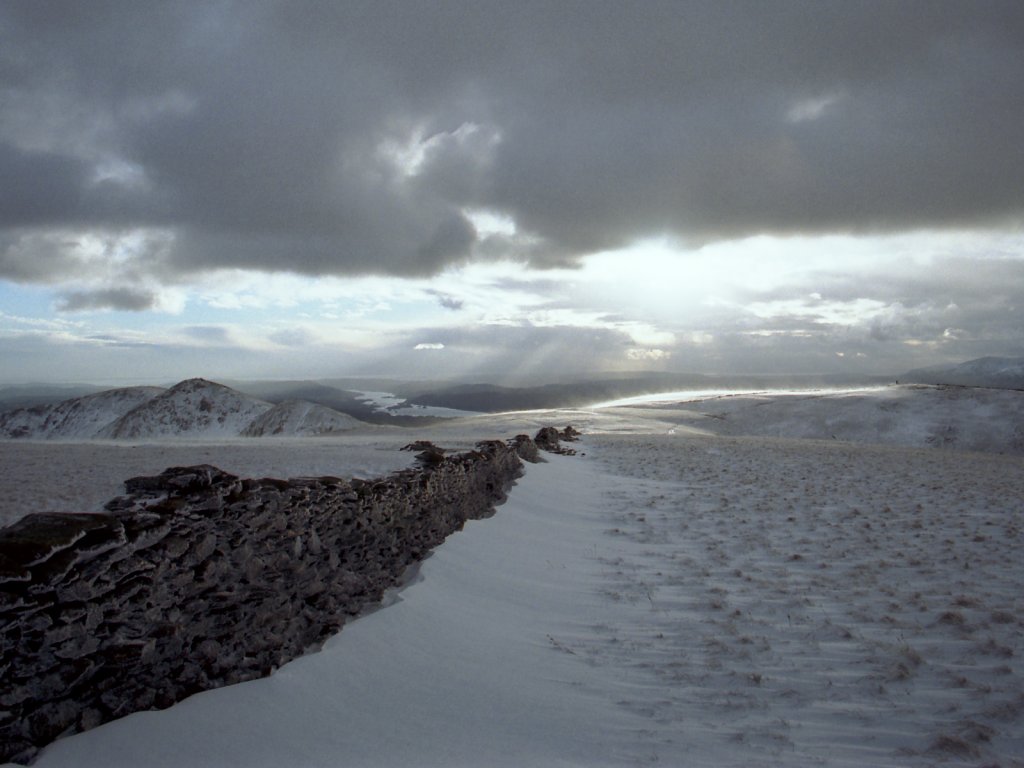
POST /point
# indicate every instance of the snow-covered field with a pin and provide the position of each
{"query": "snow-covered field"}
(674, 596)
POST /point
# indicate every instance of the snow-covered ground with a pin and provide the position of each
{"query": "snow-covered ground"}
(673, 597)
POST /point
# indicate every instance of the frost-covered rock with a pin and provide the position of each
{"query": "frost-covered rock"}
(548, 439)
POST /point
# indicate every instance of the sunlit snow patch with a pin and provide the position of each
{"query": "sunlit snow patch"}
(694, 395)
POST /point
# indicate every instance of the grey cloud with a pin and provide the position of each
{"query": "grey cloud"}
(130, 360)
(254, 131)
(972, 285)
(450, 241)
(123, 299)
(38, 258)
(40, 188)
(113, 340)
(449, 302)
(292, 338)
(215, 334)
(54, 256)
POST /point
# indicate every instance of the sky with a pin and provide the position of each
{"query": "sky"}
(491, 190)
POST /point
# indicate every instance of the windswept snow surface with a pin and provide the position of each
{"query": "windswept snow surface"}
(672, 597)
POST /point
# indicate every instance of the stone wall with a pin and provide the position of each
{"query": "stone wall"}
(198, 579)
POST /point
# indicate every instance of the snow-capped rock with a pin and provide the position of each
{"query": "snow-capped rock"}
(193, 408)
(78, 418)
(299, 417)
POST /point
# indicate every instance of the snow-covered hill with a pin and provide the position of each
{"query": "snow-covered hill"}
(77, 418)
(299, 418)
(960, 418)
(193, 408)
(999, 372)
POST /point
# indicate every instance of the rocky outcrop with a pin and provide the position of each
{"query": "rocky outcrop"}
(197, 579)
(548, 439)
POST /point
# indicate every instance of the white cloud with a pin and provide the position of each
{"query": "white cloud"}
(489, 222)
(648, 354)
(804, 110)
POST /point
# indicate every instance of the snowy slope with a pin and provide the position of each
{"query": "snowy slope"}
(77, 418)
(299, 417)
(1000, 372)
(966, 419)
(192, 408)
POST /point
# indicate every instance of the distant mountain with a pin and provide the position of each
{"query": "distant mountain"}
(276, 392)
(29, 395)
(994, 372)
(76, 418)
(195, 407)
(299, 417)
(347, 401)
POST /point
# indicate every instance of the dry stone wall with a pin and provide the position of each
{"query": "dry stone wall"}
(197, 579)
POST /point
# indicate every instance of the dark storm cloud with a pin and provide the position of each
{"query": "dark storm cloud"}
(352, 138)
(37, 258)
